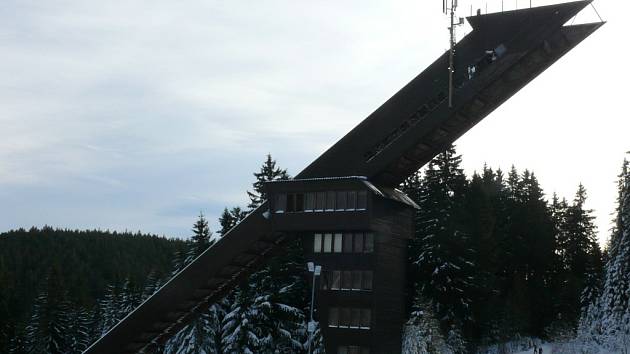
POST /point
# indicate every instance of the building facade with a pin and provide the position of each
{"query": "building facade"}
(358, 233)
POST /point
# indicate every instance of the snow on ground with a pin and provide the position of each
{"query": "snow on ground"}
(546, 350)
(570, 348)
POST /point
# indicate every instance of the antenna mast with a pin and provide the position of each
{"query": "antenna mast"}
(451, 57)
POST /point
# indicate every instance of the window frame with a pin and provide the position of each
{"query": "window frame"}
(351, 202)
(331, 200)
(367, 278)
(368, 247)
(333, 314)
(280, 203)
(362, 200)
(341, 196)
(327, 245)
(337, 241)
(358, 242)
(309, 202)
(366, 317)
(320, 201)
(317, 236)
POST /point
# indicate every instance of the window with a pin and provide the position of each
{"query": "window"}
(354, 280)
(341, 201)
(344, 317)
(327, 243)
(317, 243)
(367, 280)
(352, 201)
(368, 246)
(338, 241)
(352, 349)
(347, 243)
(362, 200)
(355, 318)
(281, 203)
(366, 318)
(358, 243)
(330, 201)
(335, 280)
(324, 281)
(346, 281)
(310, 202)
(357, 280)
(321, 201)
(343, 242)
(299, 202)
(333, 317)
(290, 203)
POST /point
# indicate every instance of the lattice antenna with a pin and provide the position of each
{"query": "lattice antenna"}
(452, 41)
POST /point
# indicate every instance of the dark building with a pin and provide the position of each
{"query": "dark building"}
(503, 53)
(358, 233)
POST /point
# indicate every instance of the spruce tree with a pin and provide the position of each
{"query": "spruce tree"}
(444, 260)
(267, 310)
(229, 219)
(607, 320)
(582, 261)
(268, 172)
(200, 240)
(422, 334)
(49, 320)
(79, 333)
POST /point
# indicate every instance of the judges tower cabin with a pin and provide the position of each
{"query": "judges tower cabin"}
(358, 233)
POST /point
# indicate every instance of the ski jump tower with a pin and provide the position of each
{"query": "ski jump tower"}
(345, 204)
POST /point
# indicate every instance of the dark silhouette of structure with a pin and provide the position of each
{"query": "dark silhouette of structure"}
(360, 237)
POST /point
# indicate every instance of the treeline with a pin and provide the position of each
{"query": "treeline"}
(494, 259)
(55, 283)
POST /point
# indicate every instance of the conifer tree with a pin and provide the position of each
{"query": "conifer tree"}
(79, 332)
(49, 321)
(607, 320)
(200, 240)
(268, 172)
(266, 313)
(444, 262)
(229, 219)
(422, 333)
(582, 261)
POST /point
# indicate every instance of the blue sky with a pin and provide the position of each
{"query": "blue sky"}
(140, 114)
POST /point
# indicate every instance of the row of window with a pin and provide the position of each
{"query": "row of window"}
(321, 201)
(358, 242)
(354, 280)
(352, 349)
(344, 317)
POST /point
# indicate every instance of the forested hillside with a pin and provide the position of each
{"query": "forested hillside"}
(51, 279)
